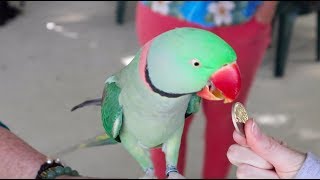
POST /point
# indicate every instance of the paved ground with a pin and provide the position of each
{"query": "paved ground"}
(47, 68)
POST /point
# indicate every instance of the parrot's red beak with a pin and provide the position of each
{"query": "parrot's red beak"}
(224, 84)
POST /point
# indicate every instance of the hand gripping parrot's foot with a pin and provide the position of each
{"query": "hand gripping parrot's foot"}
(172, 173)
(149, 174)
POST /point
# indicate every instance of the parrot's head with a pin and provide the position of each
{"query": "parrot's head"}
(189, 60)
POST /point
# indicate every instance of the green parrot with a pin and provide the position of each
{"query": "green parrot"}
(145, 104)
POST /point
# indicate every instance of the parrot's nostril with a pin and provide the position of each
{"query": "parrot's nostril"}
(210, 85)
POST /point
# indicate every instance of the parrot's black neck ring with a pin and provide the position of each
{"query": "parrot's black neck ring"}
(158, 91)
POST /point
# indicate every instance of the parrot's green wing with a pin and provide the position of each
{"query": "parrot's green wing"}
(193, 106)
(111, 111)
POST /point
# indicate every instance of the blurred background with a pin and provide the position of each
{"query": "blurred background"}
(54, 55)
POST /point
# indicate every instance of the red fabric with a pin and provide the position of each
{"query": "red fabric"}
(250, 41)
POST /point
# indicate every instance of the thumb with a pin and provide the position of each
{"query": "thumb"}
(286, 161)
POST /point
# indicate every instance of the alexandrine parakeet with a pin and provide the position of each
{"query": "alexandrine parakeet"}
(145, 104)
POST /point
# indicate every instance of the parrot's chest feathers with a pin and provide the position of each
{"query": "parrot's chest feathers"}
(153, 119)
(154, 105)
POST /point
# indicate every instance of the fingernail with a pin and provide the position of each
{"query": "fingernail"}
(255, 130)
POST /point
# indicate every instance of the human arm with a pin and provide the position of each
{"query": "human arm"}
(19, 160)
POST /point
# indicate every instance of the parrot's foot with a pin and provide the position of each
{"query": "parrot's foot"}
(172, 173)
(175, 175)
(149, 174)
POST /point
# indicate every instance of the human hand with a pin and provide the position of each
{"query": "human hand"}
(266, 11)
(260, 156)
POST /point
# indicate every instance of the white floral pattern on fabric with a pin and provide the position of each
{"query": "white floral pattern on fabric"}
(221, 11)
(198, 12)
(161, 7)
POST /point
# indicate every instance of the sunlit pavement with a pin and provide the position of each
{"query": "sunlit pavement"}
(58, 54)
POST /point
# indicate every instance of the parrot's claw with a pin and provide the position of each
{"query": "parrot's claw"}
(149, 174)
(172, 173)
(175, 175)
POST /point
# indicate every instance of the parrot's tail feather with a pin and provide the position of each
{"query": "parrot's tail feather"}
(96, 102)
(99, 140)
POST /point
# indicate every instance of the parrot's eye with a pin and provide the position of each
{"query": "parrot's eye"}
(195, 62)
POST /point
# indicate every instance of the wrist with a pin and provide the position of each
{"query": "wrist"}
(52, 169)
(32, 168)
